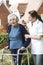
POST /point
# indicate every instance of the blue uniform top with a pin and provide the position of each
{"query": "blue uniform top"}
(15, 38)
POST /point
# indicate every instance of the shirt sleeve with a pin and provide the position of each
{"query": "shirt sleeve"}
(40, 29)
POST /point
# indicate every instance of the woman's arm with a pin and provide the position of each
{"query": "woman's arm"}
(37, 37)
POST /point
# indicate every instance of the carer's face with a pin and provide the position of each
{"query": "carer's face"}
(31, 18)
(13, 22)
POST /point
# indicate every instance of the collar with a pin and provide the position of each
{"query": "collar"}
(36, 22)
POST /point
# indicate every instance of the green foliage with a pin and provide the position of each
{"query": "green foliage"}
(3, 38)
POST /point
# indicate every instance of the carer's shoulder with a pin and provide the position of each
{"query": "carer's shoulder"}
(40, 23)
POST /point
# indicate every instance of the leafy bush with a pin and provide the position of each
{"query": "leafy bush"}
(3, 39)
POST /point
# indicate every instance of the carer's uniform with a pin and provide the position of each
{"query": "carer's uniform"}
(36, 45)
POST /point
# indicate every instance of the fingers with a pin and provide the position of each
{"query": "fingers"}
(22, 48)
(26, 36)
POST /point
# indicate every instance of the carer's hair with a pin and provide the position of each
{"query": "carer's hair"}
(33, 13)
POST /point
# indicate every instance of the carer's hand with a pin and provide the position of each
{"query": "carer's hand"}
(27, 36)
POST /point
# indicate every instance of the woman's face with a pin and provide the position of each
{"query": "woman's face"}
(32, 19)
(13, 22)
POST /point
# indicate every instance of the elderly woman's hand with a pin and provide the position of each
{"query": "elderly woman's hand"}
(22, 48)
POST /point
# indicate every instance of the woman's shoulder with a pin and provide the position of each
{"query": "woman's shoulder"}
(40, 23)
(21, 25)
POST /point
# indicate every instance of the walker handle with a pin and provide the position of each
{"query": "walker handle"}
(20, 49)
(4, 49)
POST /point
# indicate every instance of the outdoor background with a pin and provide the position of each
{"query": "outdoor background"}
(21, 8)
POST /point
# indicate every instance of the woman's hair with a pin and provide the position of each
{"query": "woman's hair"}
(33, 13)
(12, 15)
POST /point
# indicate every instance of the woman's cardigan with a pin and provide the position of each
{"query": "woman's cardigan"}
(23, 31)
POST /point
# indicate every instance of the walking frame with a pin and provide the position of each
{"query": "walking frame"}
(25, 53)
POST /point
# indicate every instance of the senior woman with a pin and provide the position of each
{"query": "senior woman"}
(16, 34)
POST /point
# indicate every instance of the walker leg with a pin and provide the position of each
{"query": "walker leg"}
(17, 58)
(2, 59)
(26, 54)
(28, 58)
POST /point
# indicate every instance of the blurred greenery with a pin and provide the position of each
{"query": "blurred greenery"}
(3, 39)
(7, 60)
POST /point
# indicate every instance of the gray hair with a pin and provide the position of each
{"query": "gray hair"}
(12, 15)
